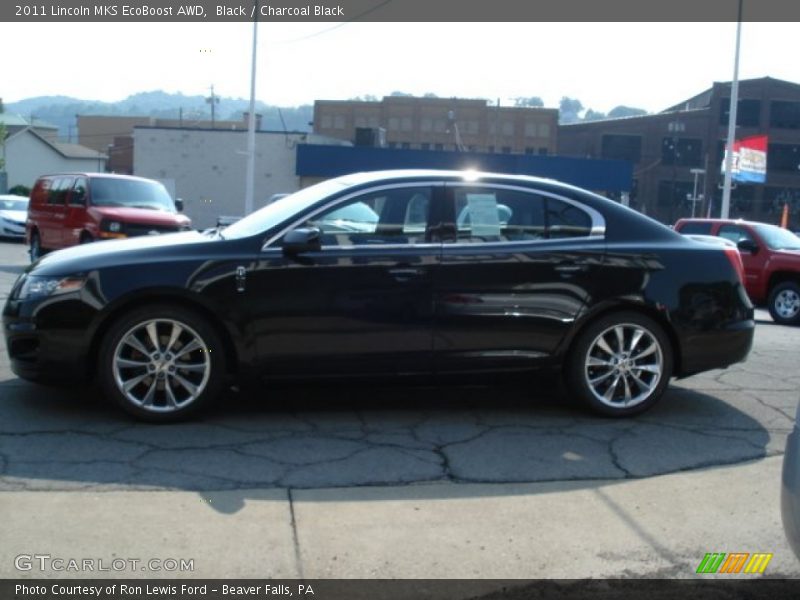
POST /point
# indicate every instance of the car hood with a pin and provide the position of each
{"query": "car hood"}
(150, 216)
(83, 258)
(20, 216)
(792, 256)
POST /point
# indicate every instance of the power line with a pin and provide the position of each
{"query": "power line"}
(338, 25)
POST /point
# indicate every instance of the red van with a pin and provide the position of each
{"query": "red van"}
(75, 208)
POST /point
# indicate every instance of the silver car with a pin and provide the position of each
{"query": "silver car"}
(13, 214)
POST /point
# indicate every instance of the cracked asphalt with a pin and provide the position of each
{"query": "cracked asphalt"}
(62, 443)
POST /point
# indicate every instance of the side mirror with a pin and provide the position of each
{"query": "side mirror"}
(303, 239)
(179, 204)
(748, 246)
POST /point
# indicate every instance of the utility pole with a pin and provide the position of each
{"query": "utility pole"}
(213, 101)
(726, 186)
(251, 125)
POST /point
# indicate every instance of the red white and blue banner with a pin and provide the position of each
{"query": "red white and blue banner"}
(749, 160)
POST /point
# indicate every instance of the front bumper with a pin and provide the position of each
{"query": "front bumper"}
(45, 342)
(11, 230)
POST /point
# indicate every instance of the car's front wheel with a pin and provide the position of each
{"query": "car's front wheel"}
(161, 363)
(620, 364)
(36, 251)
(784, 303)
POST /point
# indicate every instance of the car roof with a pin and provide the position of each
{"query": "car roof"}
(13, 197)
(95, 175)
(736, 221)
(468, 175)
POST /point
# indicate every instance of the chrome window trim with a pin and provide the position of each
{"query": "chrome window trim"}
(597, 231)
(598, 228)
(345, 198)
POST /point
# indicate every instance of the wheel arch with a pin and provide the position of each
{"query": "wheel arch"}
(779, 277)
(651, 312)
(108, 319)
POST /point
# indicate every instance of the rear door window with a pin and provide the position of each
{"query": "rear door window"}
(696, 228)
(485, 214)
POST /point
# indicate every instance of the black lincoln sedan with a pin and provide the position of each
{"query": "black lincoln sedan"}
(386, 274)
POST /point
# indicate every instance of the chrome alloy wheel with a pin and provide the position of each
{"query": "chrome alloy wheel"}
(624, 365)
(787, 304)
(161, 365)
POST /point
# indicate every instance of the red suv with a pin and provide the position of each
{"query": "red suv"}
(76, 208)
(771, 258)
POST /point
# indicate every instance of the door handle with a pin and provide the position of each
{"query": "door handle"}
(570, 268)
(241, 277)
(405, 273)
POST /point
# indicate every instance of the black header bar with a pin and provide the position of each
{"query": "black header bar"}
(277, 11)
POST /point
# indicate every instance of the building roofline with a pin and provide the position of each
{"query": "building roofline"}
(219, 130)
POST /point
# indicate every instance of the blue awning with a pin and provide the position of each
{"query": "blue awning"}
(592, 174)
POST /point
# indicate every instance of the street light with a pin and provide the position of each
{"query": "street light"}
(674, 127)
(696, 173)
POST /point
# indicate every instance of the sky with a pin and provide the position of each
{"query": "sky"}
(644, 65)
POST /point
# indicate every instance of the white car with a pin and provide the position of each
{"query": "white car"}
(13, 214)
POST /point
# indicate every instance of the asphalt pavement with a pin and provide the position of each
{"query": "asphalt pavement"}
(499, 479)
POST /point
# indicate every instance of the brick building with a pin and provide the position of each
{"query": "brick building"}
(414, 123)
(666, 147)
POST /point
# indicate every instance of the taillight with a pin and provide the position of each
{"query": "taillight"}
(736, 261)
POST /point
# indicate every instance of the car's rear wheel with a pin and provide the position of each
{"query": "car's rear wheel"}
(161, 363)
(784, 303)
(620, 364)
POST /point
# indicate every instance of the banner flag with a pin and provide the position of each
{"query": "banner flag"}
(749, 160)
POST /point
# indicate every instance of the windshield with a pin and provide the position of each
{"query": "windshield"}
(21, 204)
(130, 193)
(777, 238)
(282, 209)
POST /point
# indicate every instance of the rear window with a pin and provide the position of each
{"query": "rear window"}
(702, 228)
(131, 193)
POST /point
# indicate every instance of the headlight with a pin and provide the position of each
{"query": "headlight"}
(39, 287)
(112, 226)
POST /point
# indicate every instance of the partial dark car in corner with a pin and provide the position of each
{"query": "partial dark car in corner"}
(67, 209)
(790, 488)
(771, 259)
(388, 274)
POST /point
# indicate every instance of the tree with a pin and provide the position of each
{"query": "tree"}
(569, 110)
(532, 101)
(625, 111)
(593, 115)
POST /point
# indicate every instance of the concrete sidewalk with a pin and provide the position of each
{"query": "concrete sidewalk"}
(656, 527)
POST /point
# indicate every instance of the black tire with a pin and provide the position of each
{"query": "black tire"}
(86, 238)
(622, 382)
(160, 389)
(784, 303)
(35, 249)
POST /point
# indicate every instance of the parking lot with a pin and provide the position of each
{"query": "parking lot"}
(497, 479)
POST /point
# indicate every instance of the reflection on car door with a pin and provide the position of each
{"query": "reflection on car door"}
(361, 304)
(514, 275)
